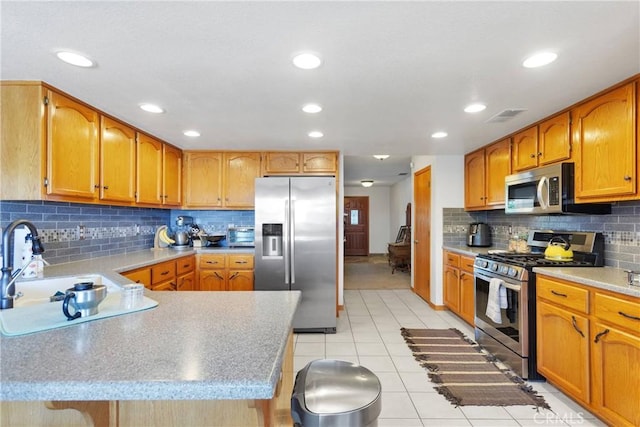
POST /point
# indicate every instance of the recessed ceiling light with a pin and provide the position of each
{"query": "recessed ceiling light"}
(439, 134)
(474, 108)
(191, 133)
(151, 108)
(315, 134)
(381, 156)
(307, 61)
(366, 183)
(312, 108)
(75, 59)
(539, 59)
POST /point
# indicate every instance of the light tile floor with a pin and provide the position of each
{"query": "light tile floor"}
(368, 333)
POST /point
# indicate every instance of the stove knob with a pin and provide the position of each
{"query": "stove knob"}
(494, 267)
(484, 264)
(513, 272)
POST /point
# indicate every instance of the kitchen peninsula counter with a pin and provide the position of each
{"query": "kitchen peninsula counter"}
(198, 358)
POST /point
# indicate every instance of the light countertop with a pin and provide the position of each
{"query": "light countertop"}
(193, 345)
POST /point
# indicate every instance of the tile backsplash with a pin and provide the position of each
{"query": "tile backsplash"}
(621, 229)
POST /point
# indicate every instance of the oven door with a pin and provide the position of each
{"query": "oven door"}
(512, 332)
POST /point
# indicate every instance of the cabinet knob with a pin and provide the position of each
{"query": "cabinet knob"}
(540, 154)
(96, 186)
(106, 187)
(532, 155)
(627, 178)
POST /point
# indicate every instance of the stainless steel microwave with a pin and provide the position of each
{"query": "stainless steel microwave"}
(547, 190)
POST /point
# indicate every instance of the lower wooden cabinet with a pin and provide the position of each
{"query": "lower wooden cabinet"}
(173, 275)
(589, 347)
(225, 272)
(458, 285)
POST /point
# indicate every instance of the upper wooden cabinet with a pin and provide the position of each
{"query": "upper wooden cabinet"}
(240, 172)
(313, 163)
(72, 148)
(220, 179)
(605, 144)
(485, 171)
(540, 145)
(117, 161)
(159, 173)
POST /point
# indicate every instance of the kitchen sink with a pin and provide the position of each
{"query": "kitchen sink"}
(39, 291)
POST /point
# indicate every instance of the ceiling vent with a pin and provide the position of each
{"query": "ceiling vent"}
(506, 115)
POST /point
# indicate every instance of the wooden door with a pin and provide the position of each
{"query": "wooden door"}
(187, 282)
(203, 179)
(241, 171)
(498, 163)
(282, 162)
(554, 144)
(72, 148)
(319, 162)
(422, 234)
(149, 171)
(605, 146)
(171, 176)
(467, 297)
(525, 149)
(356, 226)
(117, 161)
(240, 280)
(213, 280)
(474, 180)
(451, 288)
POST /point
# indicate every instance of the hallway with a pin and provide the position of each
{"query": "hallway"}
(368, 333)
(373, 272)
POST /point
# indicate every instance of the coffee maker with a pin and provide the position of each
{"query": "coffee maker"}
(479, 234)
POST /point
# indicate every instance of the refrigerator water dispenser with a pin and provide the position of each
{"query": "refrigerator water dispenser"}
(271, 240)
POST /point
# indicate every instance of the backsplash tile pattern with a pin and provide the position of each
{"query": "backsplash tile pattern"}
(108, 230)
(621, 229)
(216, 221)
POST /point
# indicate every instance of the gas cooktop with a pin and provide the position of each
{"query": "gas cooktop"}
(538, 260)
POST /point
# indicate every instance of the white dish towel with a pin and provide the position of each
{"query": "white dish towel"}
(496, 300)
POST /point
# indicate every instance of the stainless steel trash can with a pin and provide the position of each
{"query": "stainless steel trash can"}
(335, 393)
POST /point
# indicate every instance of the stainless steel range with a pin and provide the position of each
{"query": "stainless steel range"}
(513, 339)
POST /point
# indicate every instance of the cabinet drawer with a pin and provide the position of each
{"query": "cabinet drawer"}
(142, 276)
(212, 261)
(618, 311)
(466, 263)
(241, 262)
(185, 265)
(452, 259)
(563, 294)
(163, 272)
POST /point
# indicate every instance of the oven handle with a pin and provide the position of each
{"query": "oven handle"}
(507, 284)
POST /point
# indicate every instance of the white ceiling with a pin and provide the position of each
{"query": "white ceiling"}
(393, 72)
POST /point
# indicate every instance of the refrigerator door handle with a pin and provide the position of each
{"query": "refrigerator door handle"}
(292, 241)
(285, 243)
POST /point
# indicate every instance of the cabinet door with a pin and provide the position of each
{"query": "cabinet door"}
(117, 161)
(451, 288)
(72, 148)
(563, 349)
(616, 375)
(525, 149)
(285, 162)
(171, 176)
(319, 163)
(241, 280)
(605, 146)
(241, 170)
(142, 276)
(203, 179)
(554, 144)
(498, 167)
(169, 285)
(149, 171)
(213, 280)
(467, 297)
(186, 282)
(474, 184)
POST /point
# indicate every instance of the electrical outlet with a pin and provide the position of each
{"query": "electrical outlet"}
(81, 231)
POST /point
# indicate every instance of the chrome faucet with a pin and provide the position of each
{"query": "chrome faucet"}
(7, 286)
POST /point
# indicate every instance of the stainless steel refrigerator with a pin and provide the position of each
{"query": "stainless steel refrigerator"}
(296, 245)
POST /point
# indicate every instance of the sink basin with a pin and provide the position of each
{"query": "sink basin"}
(38, 291)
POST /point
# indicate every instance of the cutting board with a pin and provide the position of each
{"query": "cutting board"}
(42, 317)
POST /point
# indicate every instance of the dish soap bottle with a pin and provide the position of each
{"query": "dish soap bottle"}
(30, 269)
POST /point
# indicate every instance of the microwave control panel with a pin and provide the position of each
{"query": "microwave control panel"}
(554, 191)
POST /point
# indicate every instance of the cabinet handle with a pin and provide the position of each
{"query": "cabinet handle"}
(233, 276)
(164, 273)
(96, 186)
(627, 178)
(218, 276)
(532, 155)
(575, 326)
(211, 262)
(600, 335)
(628, 316)
(240, 262)
(174, 286)
(106, 187)
(540, 154)
(558, 294)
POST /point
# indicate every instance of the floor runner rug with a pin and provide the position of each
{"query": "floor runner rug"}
(464, 373)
